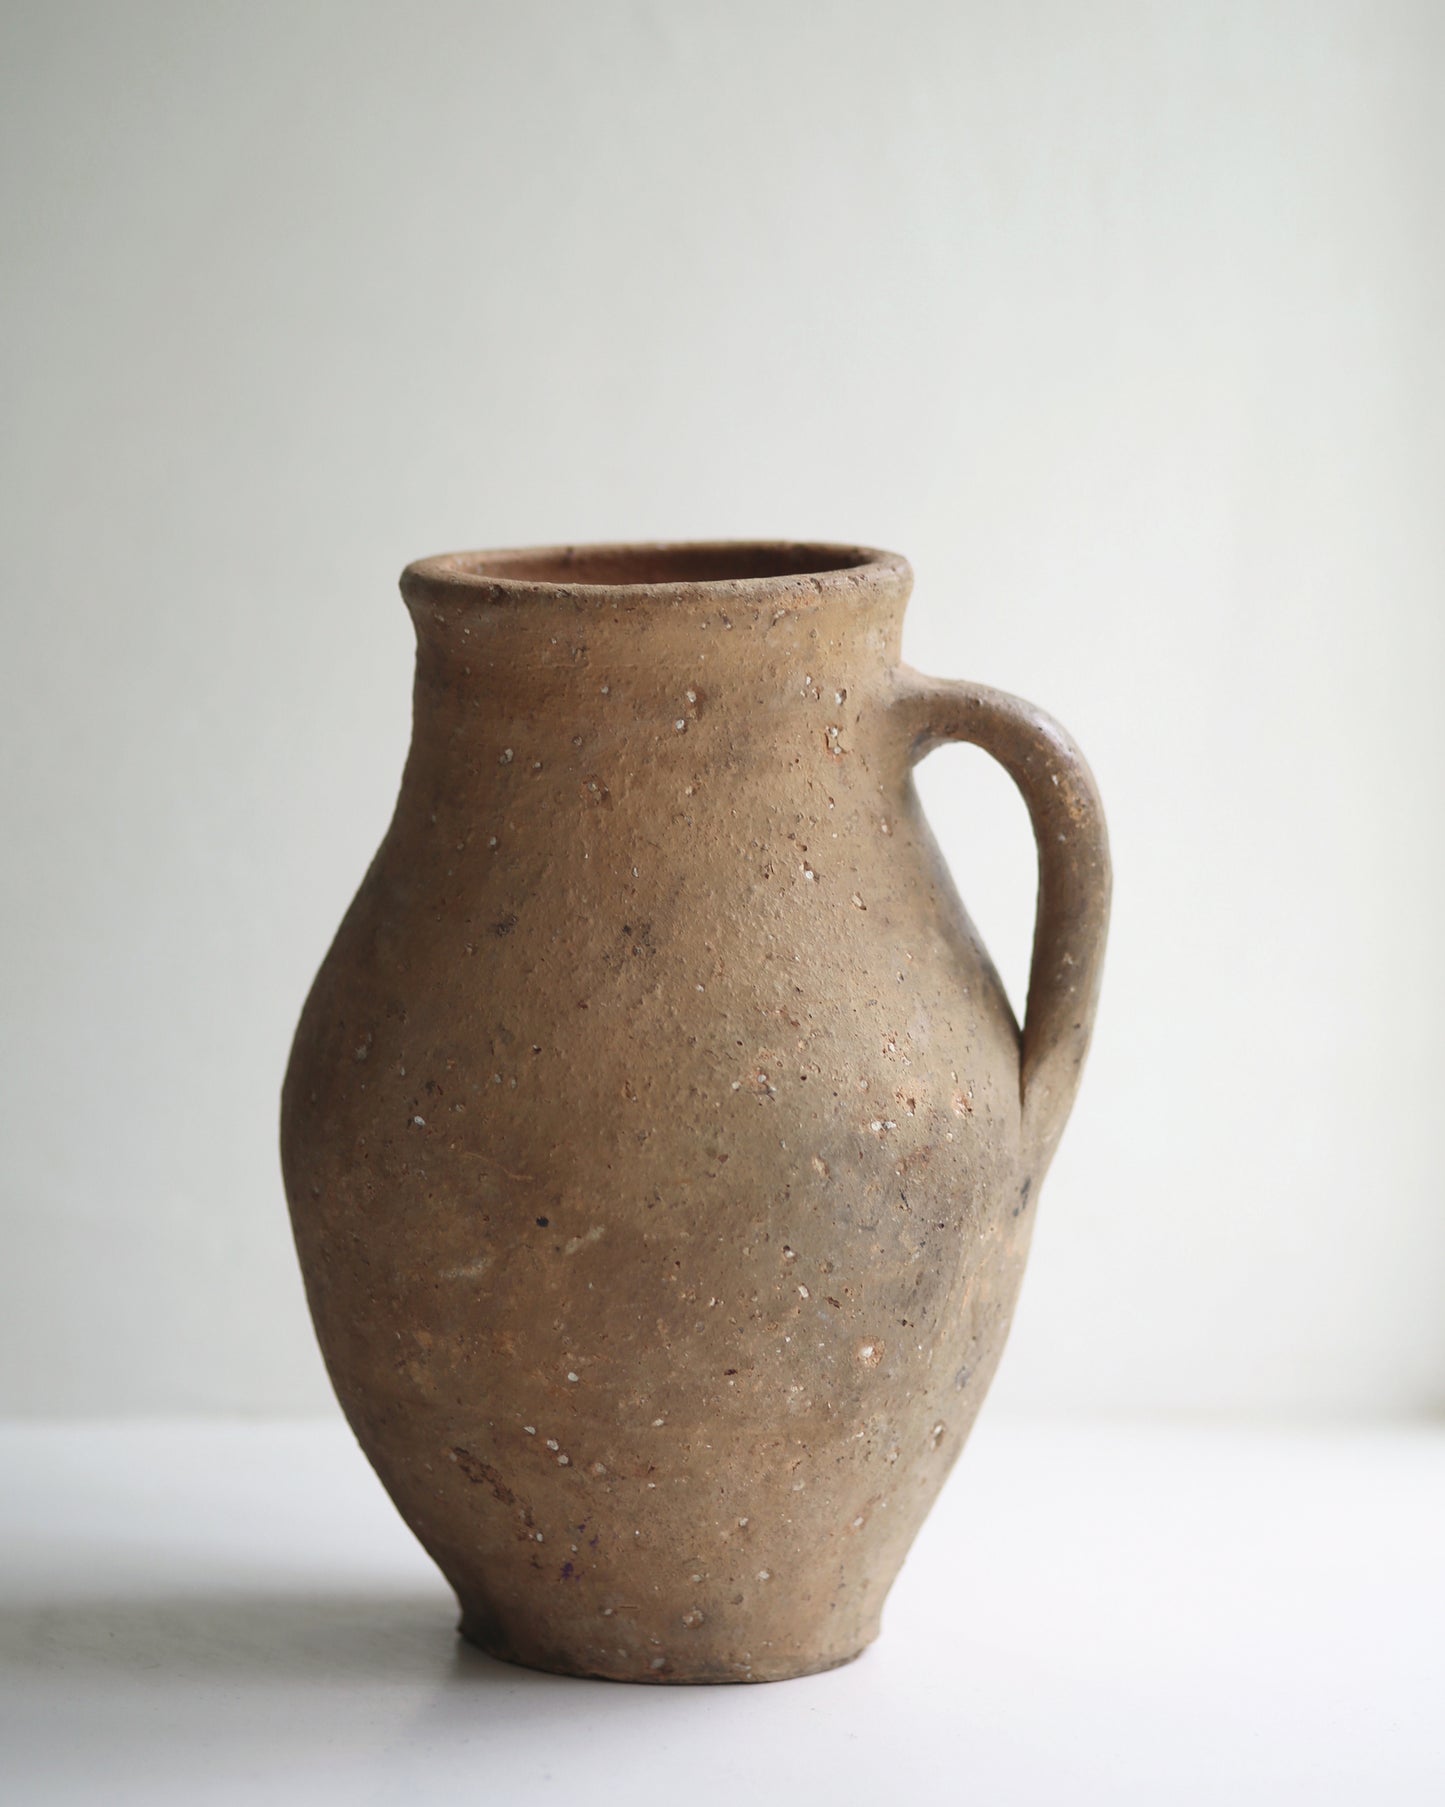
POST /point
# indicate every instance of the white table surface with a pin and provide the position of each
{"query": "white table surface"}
(215, 1612)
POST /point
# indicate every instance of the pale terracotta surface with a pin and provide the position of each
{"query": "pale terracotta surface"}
(659, 1155)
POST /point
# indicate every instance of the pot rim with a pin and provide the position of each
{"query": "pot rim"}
(748, 569)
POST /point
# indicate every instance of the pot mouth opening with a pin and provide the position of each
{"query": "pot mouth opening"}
(675, 566)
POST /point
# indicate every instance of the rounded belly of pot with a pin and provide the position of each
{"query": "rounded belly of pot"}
(662, 1303)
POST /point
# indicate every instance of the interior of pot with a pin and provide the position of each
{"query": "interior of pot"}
(684, 563)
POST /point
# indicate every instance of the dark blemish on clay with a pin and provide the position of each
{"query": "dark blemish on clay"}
(482, 1474)
(543, 1222)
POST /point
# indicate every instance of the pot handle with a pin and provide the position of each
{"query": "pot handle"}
(1072, 919)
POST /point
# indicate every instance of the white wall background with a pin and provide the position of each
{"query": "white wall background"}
(1122, 319)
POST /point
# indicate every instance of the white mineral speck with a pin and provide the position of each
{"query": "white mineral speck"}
(564, 1461)
(571, 1376)
(530, 1429)
(765, 1574)
(552, 1443)
(506, 758)
(803, 1293)
(680, 725)
(657, 1422)
(420, 1122)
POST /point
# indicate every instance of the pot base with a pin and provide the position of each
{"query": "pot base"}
(484, 1635)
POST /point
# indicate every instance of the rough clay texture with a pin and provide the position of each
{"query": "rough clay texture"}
(662, 1150)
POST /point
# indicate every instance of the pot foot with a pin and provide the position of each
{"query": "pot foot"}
(717, 1669)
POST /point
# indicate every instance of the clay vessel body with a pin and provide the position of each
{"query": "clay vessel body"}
(661, 1147)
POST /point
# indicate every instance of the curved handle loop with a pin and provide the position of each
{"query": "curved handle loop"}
(1072, 919)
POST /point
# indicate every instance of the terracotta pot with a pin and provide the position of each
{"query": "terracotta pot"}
(662, 1150)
